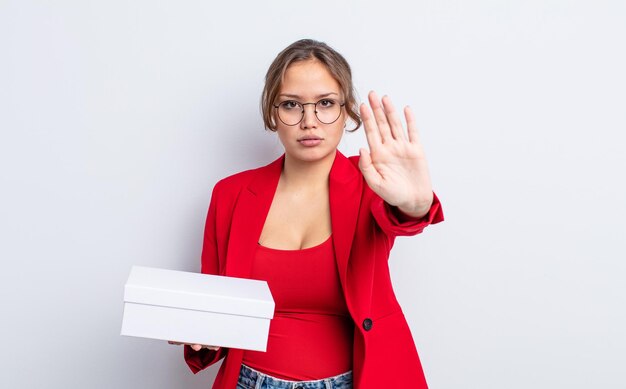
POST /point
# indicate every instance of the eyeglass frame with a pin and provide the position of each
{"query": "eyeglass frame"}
(341, 105)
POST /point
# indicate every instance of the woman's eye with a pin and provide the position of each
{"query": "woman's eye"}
(326, 103)
(290, 104)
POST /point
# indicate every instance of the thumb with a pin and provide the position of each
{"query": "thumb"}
(367, 168)
(366, 160)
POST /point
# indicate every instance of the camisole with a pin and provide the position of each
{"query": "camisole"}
(311, 334)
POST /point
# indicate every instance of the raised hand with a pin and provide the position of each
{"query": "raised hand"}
(395, 166)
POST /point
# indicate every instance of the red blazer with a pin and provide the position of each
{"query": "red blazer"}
(363, 231)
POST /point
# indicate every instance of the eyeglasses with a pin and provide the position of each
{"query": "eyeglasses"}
(291, 112)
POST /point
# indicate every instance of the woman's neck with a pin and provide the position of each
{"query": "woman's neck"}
(301, 174)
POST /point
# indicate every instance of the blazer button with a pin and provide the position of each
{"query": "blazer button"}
(367, 324)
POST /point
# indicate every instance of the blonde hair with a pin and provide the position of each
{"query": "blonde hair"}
(302, 50)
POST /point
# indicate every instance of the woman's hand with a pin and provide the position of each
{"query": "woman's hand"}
(395, 166)
(195, 347)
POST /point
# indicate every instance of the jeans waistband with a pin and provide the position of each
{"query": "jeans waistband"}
(250, 378)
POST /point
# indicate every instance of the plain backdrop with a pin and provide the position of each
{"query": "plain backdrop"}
(117, 118)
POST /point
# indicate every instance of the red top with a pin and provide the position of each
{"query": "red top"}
(310, 336)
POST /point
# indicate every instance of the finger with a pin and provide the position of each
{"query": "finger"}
(381, 118)
(370, 173)
(214, 348)
(371, 129)
(393, 119)
(196, 347)
(414, 136)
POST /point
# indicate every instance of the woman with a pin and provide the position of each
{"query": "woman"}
(318, 227)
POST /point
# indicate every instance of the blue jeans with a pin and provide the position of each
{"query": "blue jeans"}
(252, 379)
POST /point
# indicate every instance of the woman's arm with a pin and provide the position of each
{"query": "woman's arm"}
(199, 357)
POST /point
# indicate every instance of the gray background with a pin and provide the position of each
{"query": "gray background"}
(117, 117)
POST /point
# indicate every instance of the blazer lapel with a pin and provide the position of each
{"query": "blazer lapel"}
(345, 193)
(249, 217)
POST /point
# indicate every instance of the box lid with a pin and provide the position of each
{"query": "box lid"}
(201, 292)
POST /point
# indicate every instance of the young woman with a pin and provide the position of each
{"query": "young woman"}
(319, 227)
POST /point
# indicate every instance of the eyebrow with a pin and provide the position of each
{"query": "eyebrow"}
(292, 96)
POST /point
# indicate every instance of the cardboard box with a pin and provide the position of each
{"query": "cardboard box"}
(197, 308)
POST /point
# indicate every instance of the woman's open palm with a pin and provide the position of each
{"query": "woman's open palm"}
(395, 166)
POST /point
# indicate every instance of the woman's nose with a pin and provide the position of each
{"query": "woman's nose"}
(309, 119)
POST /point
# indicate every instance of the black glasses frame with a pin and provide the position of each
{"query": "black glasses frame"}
(341, 105)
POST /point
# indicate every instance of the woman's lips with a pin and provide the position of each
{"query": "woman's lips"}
(310, 141)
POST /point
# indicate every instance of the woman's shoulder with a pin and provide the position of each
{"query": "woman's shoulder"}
(237, 181)
(233, 183)
(355, 160)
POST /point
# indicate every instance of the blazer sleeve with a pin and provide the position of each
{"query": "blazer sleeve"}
(396, 223)
(199, 360)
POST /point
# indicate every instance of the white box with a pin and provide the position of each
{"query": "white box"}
(197, 308)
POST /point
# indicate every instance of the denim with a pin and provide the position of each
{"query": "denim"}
(252, 379)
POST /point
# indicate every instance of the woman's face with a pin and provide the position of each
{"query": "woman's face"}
(310, 140)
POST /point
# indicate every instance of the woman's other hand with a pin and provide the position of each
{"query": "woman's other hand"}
(395, 166)
(195, 347)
